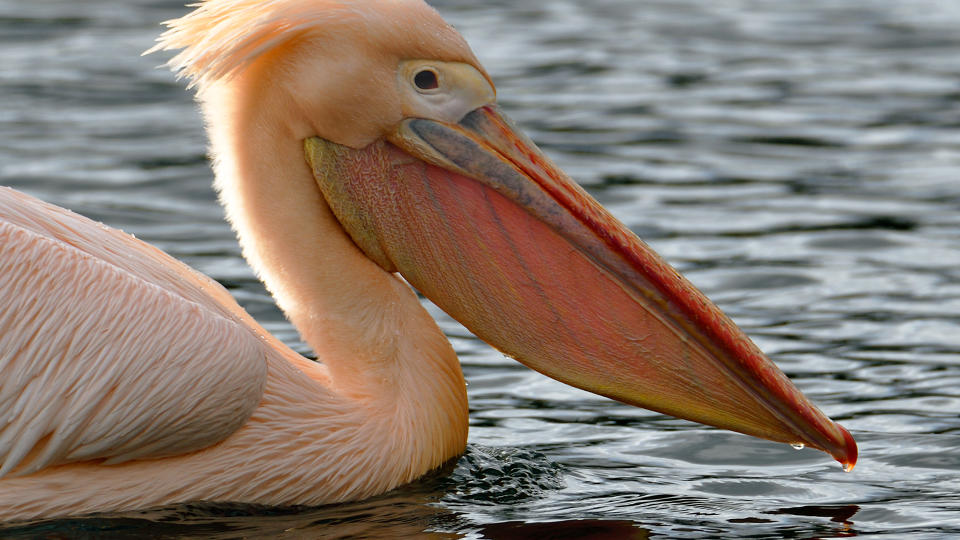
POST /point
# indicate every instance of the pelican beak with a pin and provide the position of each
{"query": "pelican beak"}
(475, 217)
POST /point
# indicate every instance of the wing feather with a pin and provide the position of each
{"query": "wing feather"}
(109, 349)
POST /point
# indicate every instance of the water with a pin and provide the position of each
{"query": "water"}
(800, 162)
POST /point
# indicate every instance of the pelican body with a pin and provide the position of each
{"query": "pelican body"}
(358, 150)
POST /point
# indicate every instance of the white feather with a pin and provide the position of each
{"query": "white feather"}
(97, 363)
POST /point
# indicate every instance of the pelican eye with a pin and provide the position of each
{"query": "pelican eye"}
(426, 79)
(441, 91)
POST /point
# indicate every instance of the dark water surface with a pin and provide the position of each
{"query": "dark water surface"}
(799, 161)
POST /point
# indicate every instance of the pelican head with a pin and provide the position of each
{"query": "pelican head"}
(378, 115)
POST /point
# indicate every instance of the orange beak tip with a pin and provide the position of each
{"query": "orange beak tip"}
(849, 458)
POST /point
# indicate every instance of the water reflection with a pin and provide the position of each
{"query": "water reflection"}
(837, 514)
(586, 529)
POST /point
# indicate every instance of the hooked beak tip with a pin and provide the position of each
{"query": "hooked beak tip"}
(847, 456)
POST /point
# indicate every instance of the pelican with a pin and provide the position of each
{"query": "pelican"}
(358, 151)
